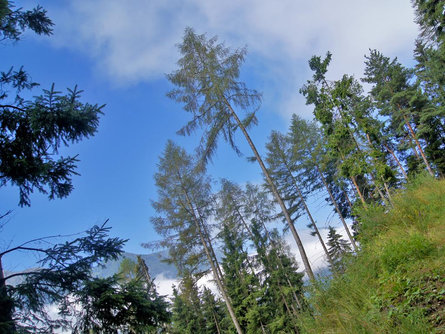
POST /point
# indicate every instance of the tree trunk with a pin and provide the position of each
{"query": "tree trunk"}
(348, 232)
(413, 135)
(397, 161)
(314, 225)
(214, 266)
(388, 193)
(359, 192)
(277, 196)
(216, 322)
(5, 305)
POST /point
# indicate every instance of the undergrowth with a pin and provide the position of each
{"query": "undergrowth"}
(396, 283)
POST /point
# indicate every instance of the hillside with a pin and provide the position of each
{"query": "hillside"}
(396, 284)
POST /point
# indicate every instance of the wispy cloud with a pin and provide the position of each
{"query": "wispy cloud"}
(133, 41)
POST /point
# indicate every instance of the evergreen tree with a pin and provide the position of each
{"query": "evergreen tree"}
(32, 131)
(307, 148)
(63, 271)
(110, 306)
(286, 168)
(187, 313)
(399, 100)
(242, 284)
(185, 204)
(275, 267)
(207, 84)
(338, 248)
(328, 101)
(281, 281)
(13, 22)
(213, 309)
(430, 56)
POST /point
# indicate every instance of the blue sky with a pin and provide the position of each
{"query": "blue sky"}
(119, 51)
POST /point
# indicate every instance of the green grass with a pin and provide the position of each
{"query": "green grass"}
(396, 284)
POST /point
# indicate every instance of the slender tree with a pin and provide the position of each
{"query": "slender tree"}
(207, 85)
(286, 169)
(338, 248)
(397, 98)
(307, 147)
(187, 312)
(185, 203)
(430, 56)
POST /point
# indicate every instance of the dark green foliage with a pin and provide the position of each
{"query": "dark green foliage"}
(31, 134)
(430, 17)
(413, 120)
(108, 306)
(217, 320)
(266, 287)
(13, 22)
(337, 248)
(334, 103)
(283, 284)
(32, 131)
(241, 282)
(430, 56)
(63, 270)
(187, 313)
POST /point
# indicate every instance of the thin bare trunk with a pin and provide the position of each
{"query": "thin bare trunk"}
(216, 322)
(397, 161)
(348, 232)
(358, 191)
(314, 225)
(378, 189)
(413, 135)
(276, 195)
(262, 327)
(347, 198)
(213, 264)
(388, 193)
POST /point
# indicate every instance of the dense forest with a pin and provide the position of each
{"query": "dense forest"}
(375, 149)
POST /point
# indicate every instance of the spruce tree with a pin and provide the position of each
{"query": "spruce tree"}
(33, 130)
(338, 248)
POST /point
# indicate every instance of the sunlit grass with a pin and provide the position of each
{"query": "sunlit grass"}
(396, 284)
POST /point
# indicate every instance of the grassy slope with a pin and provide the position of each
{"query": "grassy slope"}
(396, 284)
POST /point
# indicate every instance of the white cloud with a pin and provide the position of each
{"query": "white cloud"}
(313, 248)
(164, 285)
(134, 40)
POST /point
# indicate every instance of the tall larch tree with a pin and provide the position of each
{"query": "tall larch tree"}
(207, 84)
(185, 205)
